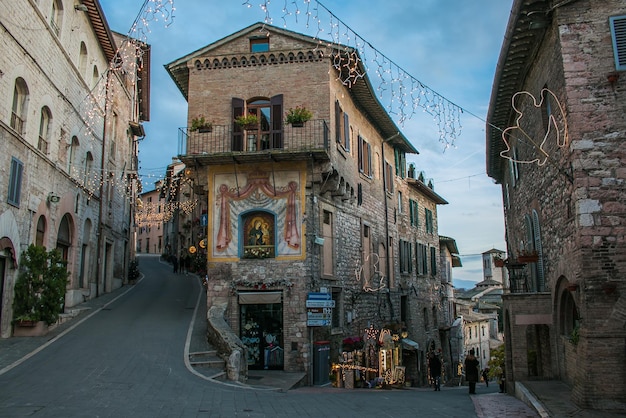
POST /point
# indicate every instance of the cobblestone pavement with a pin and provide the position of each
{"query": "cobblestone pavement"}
(498, 405)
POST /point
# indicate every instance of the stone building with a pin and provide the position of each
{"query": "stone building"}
(327, 208)
(556, 141)
(150, 215)
(69, 126)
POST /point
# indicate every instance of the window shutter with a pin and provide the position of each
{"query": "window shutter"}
(360, 194)
(238, 109)
(369, 160)
(618, 34)
(337, 121)
(360, 152)
(346, 131)
(277, 121)
(539, 249)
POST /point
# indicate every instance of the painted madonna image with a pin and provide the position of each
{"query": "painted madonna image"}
(259, 235)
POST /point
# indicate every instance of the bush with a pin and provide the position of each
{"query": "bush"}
(40, 286)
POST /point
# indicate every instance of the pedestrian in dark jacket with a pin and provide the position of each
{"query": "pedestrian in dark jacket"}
(486, 376)
(471, 371)
(175, 264)
(434, 365)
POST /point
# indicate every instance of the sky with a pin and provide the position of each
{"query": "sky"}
(449, 46)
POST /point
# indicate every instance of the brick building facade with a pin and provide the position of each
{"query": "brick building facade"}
(68, 144)
(562, 170)
(323, 207)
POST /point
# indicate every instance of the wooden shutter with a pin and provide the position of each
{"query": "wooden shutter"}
(337, 121)
(238, 109)
(346, 131)
(276, 129)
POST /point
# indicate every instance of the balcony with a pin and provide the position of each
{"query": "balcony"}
(224, 145)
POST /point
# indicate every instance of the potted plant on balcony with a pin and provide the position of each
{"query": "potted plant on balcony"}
(200, 124)
(249, 121)
(297, 116)
(528, 257)
(39, 291)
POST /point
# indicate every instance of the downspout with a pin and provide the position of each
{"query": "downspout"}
(388, 260)
(100, 211)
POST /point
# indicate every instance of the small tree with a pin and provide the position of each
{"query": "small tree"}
(496, 363)
(40, 286)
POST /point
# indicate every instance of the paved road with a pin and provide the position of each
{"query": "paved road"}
(127, 360)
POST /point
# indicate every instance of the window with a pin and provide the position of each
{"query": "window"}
(15, 182)
(400, 161)
(405, 251)
(88, 167)
(367, 257)
(113, 137)
(421, 253)
(95, 77)
(260, 44)
(73, 154)
(428, 214)
(44, 130)
(328, 247)
(56, 15)
(342, 127)
(20, 105)
(82, 59)
(41, 231)
(618, 36)
(365, 157)
(413, 213)
(268, 133)
(433, 261)
(513, 166)
(388, 177)
(400, 210)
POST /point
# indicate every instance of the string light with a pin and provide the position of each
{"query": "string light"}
(561, 140)
(403, 93)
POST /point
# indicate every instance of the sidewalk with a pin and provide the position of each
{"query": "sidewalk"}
(15, 350)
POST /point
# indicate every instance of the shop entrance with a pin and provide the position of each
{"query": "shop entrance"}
(261, 316)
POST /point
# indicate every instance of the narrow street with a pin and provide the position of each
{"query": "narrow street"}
(127, 360)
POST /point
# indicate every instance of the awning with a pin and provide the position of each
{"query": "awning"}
(259, 298)
(410, 344)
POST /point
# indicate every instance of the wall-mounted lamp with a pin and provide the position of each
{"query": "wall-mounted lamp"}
(81, 8)
(52, 198)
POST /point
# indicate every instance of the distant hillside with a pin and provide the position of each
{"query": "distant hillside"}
(463, 284)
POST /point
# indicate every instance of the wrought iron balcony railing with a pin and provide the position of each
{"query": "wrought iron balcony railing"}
(224, 140)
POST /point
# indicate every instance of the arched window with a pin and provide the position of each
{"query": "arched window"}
(82, 59)
(20, 105)
(44, 130)
(87, 174)
(41, 231)
(64, 237)
(95, 77)
(56, 17)
(74, 145)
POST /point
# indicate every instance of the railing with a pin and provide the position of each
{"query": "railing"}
(222, 139)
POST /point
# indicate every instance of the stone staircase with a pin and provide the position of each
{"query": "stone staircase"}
(208, 361)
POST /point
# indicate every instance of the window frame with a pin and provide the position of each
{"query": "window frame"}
(15, 182)
(617, 25)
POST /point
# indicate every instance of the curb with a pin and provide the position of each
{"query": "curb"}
(522, 393)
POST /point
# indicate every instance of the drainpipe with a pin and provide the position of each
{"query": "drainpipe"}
(388, 259)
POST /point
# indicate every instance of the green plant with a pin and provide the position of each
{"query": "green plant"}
(133, 271)
(247, 121)
(575, 335)
(41, 285)
(200, 123)
(496, 363)
(299, 114)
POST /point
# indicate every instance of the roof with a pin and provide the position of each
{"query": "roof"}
(520, 45)
(101, 28)
(450, 244)
(361, 91)
(427, 191)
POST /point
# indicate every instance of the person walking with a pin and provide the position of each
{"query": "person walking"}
(175, 264)
(434, 365)
(486, 376)
(471, 371)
